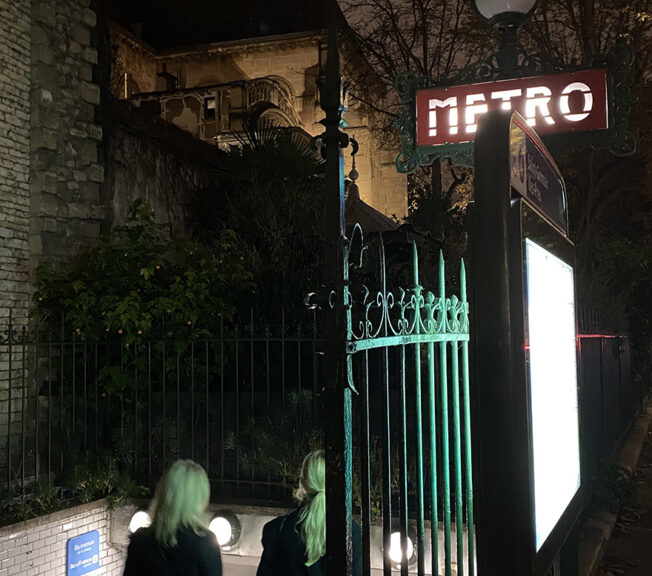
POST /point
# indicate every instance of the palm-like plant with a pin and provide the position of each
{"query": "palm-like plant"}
(269, 189)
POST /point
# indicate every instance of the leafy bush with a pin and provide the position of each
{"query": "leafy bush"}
(140, 281)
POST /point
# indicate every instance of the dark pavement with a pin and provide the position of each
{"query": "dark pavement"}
(629, 550)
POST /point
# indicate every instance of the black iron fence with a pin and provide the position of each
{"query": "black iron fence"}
(609, 397)
(241, 402)
(244, 403)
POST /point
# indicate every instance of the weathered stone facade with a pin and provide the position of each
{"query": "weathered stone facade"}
(65, 173)
(15, 24)
(152, 160)
(50, 174)
(211, 90)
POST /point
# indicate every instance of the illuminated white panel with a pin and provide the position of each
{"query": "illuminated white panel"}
(553, 386)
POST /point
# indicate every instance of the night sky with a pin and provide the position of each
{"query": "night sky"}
(173, 23)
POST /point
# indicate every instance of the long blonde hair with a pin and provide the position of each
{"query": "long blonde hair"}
(181, 499)
(311, 494)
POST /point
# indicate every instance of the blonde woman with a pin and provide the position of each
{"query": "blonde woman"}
(178, 543)
(294, 545)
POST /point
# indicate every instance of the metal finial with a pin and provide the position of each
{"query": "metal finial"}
(353, 174)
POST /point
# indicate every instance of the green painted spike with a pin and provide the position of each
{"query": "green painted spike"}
(463, 281)
(415, 263)
(442, 276)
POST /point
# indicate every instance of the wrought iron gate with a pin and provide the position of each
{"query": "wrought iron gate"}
(402, 353)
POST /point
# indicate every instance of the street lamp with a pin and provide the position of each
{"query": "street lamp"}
(506, 16)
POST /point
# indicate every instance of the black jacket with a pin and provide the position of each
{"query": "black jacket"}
(194, 555)
(284, 553)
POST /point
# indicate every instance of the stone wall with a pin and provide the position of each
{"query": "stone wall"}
(39, 546)
(50, 175)
(65, 173)
(15, 22)
(149, 159)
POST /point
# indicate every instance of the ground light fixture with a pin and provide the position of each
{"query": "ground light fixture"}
(395, 549)
(140, 519)
(226, 527)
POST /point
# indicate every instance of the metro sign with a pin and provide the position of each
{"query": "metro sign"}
(566, 102)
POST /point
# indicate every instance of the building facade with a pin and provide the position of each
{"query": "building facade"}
(216, 89)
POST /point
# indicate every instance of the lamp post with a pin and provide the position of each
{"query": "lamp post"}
(506, 16)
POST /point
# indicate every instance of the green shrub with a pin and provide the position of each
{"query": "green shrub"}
(141, 281)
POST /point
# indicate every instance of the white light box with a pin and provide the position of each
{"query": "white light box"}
(553, 386)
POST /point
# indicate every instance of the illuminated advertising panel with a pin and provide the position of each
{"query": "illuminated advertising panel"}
(553, 386)
(565, 102)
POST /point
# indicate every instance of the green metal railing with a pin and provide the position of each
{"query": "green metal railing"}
(380, 344)
(427, 336)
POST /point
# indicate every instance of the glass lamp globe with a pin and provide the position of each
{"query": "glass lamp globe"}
(490, 9)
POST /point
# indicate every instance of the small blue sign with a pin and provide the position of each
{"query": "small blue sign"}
(83, 554)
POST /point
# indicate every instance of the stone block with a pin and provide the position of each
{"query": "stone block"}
(50, 205)
(77, 133)
(87, 150)
(39, 37)
(74, 48)
(47, 77)
(45, 14)
(90, 192)
(90, 55)
(55, 242)
(96, 173)
(86, 112)
(89, 18)
(86, 211)
(86, 72)
(45, 116)
(45, 96)
(43, 55)
(44, 181)
(80, 33)
(43, 159)
(44, 138)
(90, 93)
(50, 226)
(95, 132)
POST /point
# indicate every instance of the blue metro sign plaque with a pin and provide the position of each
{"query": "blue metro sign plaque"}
(534, 174)
(83, 554)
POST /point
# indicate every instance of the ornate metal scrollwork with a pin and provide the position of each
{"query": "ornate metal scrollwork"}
(622, 141)
(403, 312)
(12, 335)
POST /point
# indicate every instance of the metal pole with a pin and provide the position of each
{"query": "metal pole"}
(336, 367)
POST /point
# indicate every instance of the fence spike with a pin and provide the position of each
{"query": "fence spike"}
(415, 262)
(463, 281)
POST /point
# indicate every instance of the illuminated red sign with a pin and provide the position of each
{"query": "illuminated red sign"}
(566, 102)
